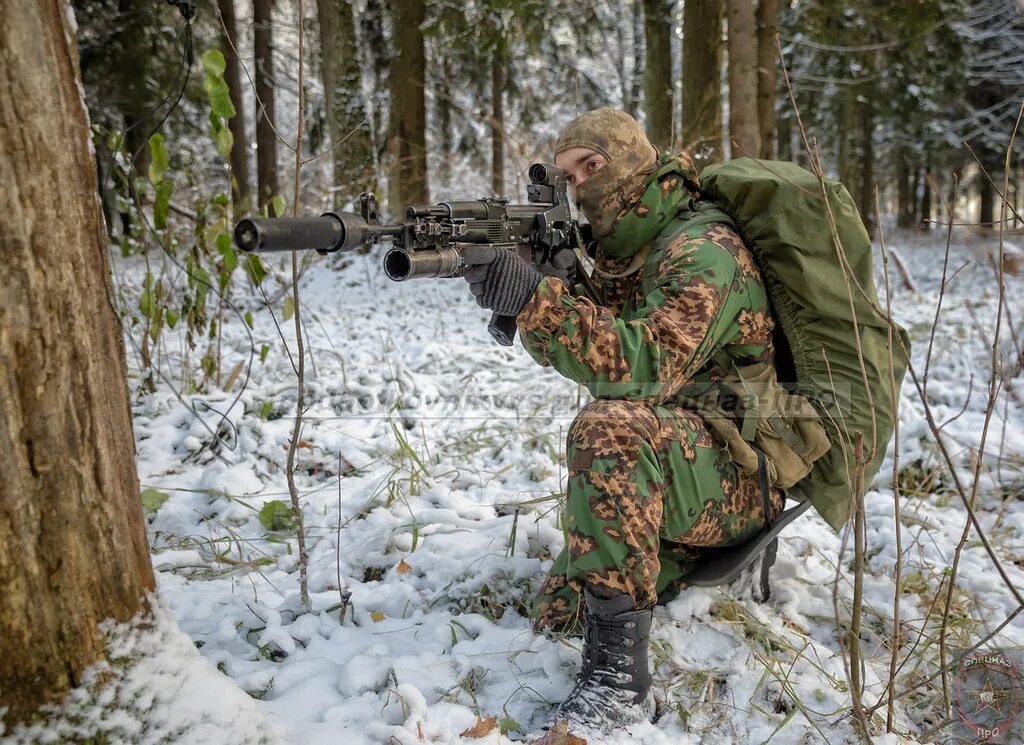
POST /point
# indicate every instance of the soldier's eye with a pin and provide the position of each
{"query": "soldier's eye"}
(594, 165)
(569, 179)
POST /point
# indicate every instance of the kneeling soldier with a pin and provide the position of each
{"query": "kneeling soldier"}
(674, 299)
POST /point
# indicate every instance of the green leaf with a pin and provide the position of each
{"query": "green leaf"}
(159, 161)
(276, 515)
(152, 499)
(278, 205)
(161, 205)
(289, 308)
(264, 350)
(248, 318)
(213, 62)
(224, 140)
(222, 242)
(268, 406)
(171, 316)
(147, 304)
(157, 326)
(230, 259)
(254, 267)
(508, 724)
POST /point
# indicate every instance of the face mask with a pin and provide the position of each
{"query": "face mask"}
(631, 158)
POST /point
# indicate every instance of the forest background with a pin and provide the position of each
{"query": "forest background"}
(203, 112)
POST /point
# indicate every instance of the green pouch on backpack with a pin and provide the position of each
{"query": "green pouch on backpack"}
(762, 415)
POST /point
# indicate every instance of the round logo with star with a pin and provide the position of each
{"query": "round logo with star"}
(988, 693)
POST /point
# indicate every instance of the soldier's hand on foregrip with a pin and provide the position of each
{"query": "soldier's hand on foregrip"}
(499, 279)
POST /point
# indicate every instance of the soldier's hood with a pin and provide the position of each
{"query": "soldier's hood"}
(630, 155)
(623, 188)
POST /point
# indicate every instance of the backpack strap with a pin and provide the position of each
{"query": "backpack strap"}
(766, 493)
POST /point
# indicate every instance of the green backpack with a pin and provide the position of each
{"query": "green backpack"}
(779, 211)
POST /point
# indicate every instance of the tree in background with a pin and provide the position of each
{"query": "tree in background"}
(407, 141)
(701, 109)
(263, 81)
(73, 549)
(658, 82)
(240, 184)
(347, 121)
(767, 27)
(992, 32)
(744, 129)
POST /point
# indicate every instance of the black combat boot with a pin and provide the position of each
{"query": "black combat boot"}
(613, 688)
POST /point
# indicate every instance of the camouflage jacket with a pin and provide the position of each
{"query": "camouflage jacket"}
(676, 288)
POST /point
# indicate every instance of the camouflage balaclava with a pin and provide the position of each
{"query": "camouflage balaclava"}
(631, 158)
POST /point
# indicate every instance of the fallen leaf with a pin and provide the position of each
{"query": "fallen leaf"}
(559, 735)
(377, 616)
(403, 567)
(482, 728)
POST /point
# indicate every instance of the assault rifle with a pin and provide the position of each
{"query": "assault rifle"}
(429, 243)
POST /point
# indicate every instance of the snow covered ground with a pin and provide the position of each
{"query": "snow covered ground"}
(429, 470)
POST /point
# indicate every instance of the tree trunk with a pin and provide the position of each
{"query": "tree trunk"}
(867, 166)
(744, 130)
(846, 162)
(785, 138)
(263, 75)
(767, 26)
(986, 203)
(497, 123)
(926, 200)
(701, 102)
(351, 145)
(378, 56)
(407, 142)
(445, 109)
(636, 76)
(658, 72)
(904, 198)
(72, 541)
(240, 186)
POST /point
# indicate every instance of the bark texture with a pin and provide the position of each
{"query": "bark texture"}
(263, 79)
(72, 540)
(701, 122)
(351, 143)
(240, 184)
(658, 72)
(767, 27)
(497, 123)
(407, 142)
(744, 129)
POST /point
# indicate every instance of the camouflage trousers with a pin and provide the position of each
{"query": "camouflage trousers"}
(649, 486)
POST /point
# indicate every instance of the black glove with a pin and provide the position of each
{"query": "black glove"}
(561, 266)
(499, 279)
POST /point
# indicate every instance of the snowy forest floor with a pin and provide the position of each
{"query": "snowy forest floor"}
(430, 468)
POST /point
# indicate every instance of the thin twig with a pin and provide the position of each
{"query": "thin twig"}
(300, 353)
(896, 516)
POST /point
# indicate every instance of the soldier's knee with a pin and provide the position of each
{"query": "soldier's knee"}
(610, 427)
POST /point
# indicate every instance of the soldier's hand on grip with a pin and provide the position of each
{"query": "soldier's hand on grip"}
(499, 279)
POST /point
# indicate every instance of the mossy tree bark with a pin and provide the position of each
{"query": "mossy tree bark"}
(744, 129)
(263, 80)
(658, 72)
(240, 185)
(701, 122)
(72, 539)
(351, 144)
(407, 139)
(767, 27)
